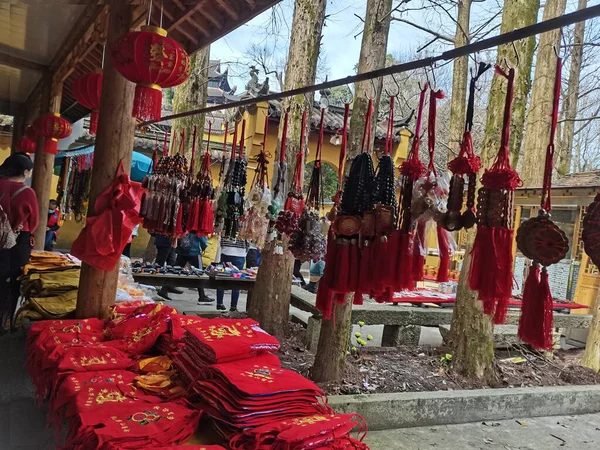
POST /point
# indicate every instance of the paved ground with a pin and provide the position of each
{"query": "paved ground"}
(569, 432)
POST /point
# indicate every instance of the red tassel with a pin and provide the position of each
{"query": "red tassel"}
(207, 219)
(501, 310)
(535, 324)
(340, 282)
(179, 222)
(444, 253)
(51, 146)
(392, 249)
(94, 122)
(353, 267)
(418, 268)
(365, 276)
(147, 103)
(404, 278)
(190, 226)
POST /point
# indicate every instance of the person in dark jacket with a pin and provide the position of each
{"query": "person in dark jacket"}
(53, 225)
(165, 254)
(189, 251)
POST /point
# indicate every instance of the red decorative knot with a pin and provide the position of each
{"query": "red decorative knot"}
(540, 240)
(412, 168)
(52, 127)
(153, 61)
(87, 90)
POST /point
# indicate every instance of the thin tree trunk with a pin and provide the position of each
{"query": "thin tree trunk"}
(472, 331)
(570, 101)
(540, 108)
(330, 360)
(271, 294)
(460, 75)
(190, 95)
(591, 356)
(516, 14)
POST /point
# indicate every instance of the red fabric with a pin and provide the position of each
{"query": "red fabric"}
(147, 58)
(23, 210)
(137, 335)
(179, 322)
(101, 243)
(445, 253)
(535, 323)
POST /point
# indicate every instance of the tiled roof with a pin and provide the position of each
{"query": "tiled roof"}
(578, 180)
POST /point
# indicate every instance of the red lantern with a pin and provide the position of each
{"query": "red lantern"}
(152, 61)
(31, 133)
(52, 127)
(26, 145)
(87, 90)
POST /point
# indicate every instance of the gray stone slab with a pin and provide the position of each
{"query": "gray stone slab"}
(28, 425)
(400, 410)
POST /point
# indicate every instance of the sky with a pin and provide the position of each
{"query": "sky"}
(341, 36)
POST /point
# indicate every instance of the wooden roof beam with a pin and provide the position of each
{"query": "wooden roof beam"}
(187, 34)
(229, 9)
(20, 63)
(207, 12)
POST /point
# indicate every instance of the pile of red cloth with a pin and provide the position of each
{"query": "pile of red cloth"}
(324, 431)
(221, 340)
(171, 342)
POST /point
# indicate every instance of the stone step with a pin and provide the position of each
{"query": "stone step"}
(504, 335)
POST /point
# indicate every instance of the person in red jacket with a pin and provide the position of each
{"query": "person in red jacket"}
(20, 205)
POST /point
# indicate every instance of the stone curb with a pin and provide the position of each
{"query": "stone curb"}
(411, 409)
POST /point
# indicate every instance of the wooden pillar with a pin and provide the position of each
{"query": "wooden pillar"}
(43, 168)
(114, 143)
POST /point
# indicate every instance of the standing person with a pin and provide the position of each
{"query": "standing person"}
(134, 234)
(297, 273)
(54, 223)
(253, 256)
(20, 211)
(165, 253)
(233, 252)
(317, 268)
(189, 250)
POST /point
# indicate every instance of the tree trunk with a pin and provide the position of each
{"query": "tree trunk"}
(330, 360)
(460, 79)
(539, 115)
(114, 141)
(591, 356)
(570, 102)
(271, 295)
(472, 331)
(192, 94)
(516, 14)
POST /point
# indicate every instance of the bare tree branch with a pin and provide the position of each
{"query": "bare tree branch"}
(427, 30)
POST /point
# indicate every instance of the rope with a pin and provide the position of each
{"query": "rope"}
(433, 98)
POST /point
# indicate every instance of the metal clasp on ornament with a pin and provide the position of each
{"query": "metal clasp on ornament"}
(543, 213)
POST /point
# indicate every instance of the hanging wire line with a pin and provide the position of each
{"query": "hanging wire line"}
(505, 38)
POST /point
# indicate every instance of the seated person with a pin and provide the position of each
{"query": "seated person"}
(54, 223)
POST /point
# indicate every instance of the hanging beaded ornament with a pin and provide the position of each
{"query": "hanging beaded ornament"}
(466, 164)
(235, 189)
(492, 260)
(542, 241)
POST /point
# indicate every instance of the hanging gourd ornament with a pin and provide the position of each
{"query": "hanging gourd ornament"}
(154, 62)
(87, 90)
(52, 127)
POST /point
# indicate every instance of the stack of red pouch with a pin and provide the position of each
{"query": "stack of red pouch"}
(308, 432)
(249, 393)
(133, 426)
(221, 340)
(174, 447)
(172, 341)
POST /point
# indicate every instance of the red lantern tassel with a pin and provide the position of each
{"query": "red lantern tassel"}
(418, 268)
(444, 253)
(147, 102)
(535, 324)
(94, 122)
(51, 146)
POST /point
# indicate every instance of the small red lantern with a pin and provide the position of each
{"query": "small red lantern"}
(87, 90)
(31, 133)
(52, 127)
(26, 145)
(153, 61)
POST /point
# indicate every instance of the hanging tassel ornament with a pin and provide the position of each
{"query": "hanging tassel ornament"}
(540, 240)
(491, 271)
(466, 164)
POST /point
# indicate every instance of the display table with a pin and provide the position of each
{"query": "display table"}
(205, 281)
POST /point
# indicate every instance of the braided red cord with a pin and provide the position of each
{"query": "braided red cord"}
(546, 202)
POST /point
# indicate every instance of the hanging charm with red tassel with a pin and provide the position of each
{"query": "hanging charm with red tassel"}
(491, 271)
(542, 241)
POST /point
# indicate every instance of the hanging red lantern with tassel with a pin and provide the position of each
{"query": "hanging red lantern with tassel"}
(540, 240)
(52, 127)
(154, 62)
(491, 271)
(87, 90)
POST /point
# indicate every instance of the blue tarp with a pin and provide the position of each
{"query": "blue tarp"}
(140, 163)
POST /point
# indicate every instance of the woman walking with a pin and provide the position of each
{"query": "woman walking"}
(19, 214)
